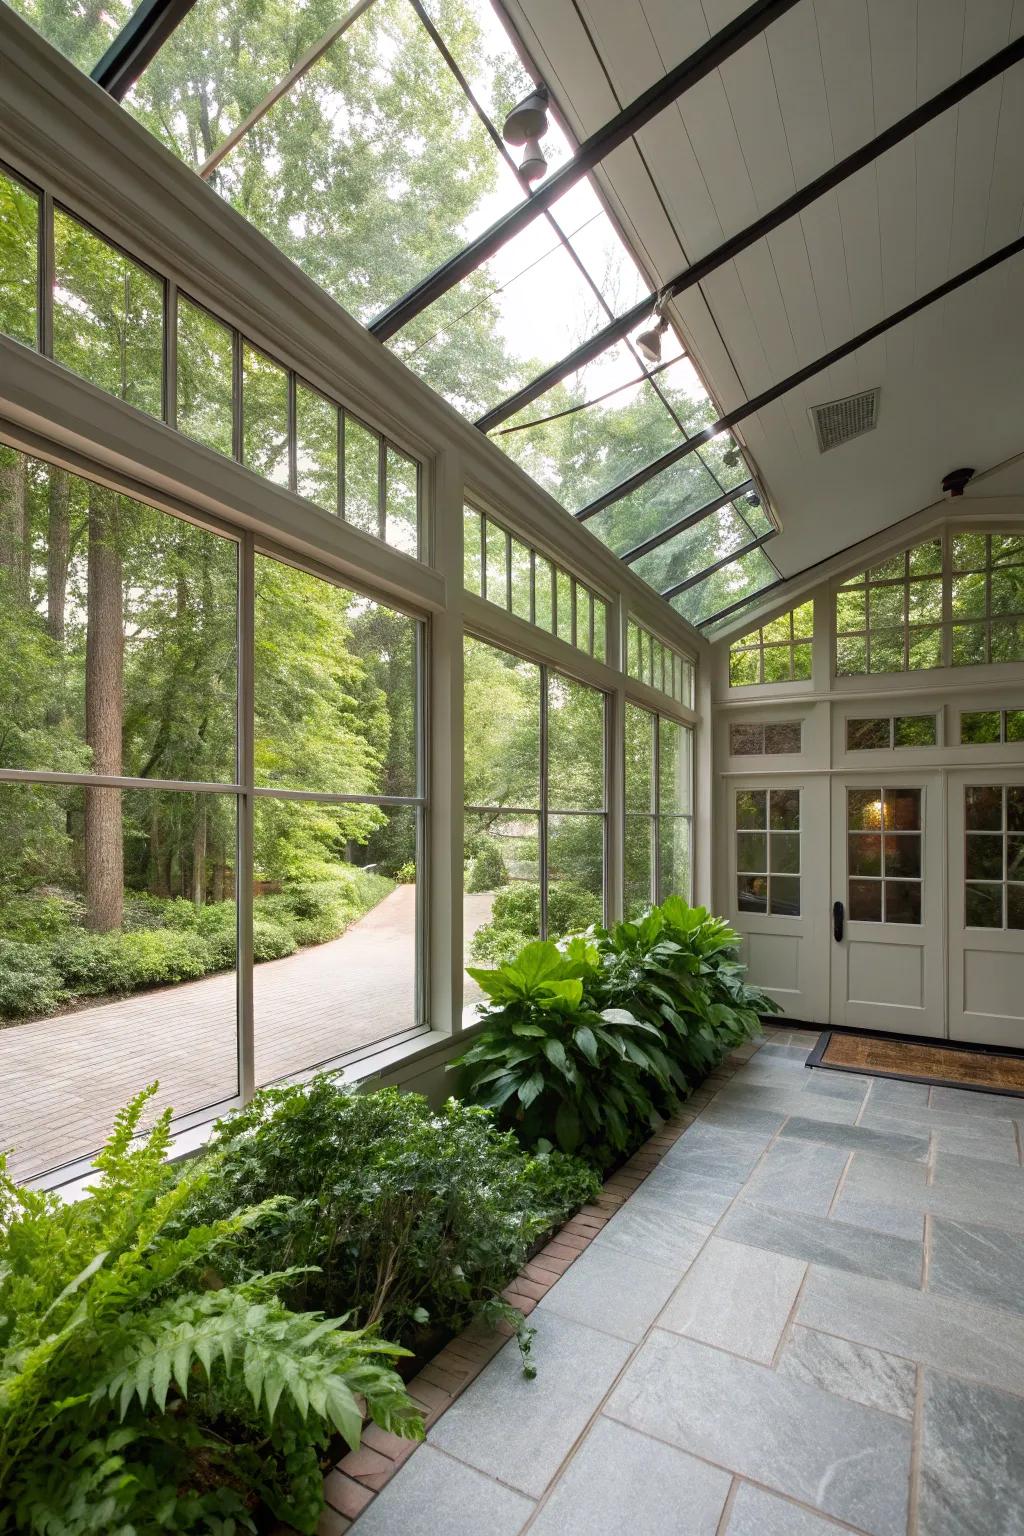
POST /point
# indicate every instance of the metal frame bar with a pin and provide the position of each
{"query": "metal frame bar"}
(719, 565)
(787, 209)
(689, 521)
(137, 44)
(718, 48)
(767, 396)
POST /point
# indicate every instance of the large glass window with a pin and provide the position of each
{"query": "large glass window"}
(650, 660)
(121, 913)
(987, 598)
(536, 823)
(889, 618)
(658, 858)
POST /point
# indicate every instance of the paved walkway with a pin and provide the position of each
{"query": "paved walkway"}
(63, 1079)
(809, 1319)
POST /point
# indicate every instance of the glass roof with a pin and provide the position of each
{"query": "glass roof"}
(364, 141)
(744, 578)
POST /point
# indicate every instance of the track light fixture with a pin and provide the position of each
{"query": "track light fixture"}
(648, 343)
(527, 124)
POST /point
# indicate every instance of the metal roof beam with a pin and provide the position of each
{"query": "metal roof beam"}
(718, 565)
(788, 209)
(689, 521)
(745, 27)
(137, 44)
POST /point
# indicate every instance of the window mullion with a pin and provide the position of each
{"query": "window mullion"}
(246, 777)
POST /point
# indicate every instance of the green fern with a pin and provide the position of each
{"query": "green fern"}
(137, 1392)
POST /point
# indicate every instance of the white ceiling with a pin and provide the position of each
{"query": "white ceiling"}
(826, 78)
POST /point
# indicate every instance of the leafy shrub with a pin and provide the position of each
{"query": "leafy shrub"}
(28, 982)
(487, 871)
(515, 918)
(552, 1067)
(270, 940)
(405, 874)
(37, 919)
(409, 1215)
(140, 1393)
(94, 963)
(554, 1064)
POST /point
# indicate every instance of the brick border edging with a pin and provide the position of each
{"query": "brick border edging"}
(360, 1475)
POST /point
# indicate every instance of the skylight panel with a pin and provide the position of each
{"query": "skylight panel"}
(694, 549)
(81, 32)
(744, 578)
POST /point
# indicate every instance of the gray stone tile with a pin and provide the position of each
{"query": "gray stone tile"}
(918, 1118)
(521, 1431)
(620, 1480)
(737, 1298)
(862, 1211)
(850, 1370)
(650, 1226)
(820, 1240)
(433, 1493)
(958, 1142)
(797, 1053)
(895, 1090)
(756, 1513)
(965, 1189)
(856, 1139)
(850, 1461)
(616, 1292)
(983, 1343)
(797, 1176)
(741, 1117)
(972, 1461)
(965, 1102)
(836, 1085)
(981, 1263)
(713, 1150)
(694, 1197)
(789, 1101)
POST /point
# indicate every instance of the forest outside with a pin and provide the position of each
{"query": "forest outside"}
(119, 626)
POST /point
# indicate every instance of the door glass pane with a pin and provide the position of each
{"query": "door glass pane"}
(903, 856)
(984, 856)
(785, 853)
(785, 809)
(864, 852)
(902, 810)
(751, 808)
(785, 896)
(752, 893)
(983, 906)
(864, 809)
(983, 808)
(902, 901)
(752, 852)
(1015, 906)
(865, 901)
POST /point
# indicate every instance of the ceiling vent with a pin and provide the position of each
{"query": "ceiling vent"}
(837, 421)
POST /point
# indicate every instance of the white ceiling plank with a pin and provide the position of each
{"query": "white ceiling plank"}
(892, 26)
(823, 232)
(681, 184)
(972, 183)
(724, 293)
(678, 27)
(935, 146)
(940, 40)
(756, 272)
(986, 29)
(1006, 200)
(712, 133)
(793, 270)
(753, 101)
(795, 58)
(846, 60)
(858, 214)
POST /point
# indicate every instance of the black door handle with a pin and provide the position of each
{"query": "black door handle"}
(837, 921)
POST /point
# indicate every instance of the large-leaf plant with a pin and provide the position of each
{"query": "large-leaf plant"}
(138, 1392)
(678, 967)
(553, 1062)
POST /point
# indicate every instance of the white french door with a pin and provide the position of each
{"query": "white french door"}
(888, 894)
(779, 888)
(986, 906)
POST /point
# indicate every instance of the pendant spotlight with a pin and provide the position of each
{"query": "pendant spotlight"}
(648, 343)
(527, 124)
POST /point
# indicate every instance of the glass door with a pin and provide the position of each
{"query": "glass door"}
(888, 904)
(986, 906)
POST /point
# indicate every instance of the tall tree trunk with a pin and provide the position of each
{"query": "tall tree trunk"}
(217, 891)
(199, 854)
(104, 714)
(58, 553)
(14, 542)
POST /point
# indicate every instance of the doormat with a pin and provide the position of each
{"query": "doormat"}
(947, 1066)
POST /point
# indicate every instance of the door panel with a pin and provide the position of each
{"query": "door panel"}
(887, 870)
(986, 906)
(778, 885)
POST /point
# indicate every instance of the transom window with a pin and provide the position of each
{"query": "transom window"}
(106, 314)
(503, 570)
(768, 851)
(777, 652)
(994, 856)
(649, 660)
(887, 731)
(772, 739)
(889, 618)
(987, 598)
(659, 809)
(884, 855)
(982, 727)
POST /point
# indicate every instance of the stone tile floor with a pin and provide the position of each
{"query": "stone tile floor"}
(809, 1319)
